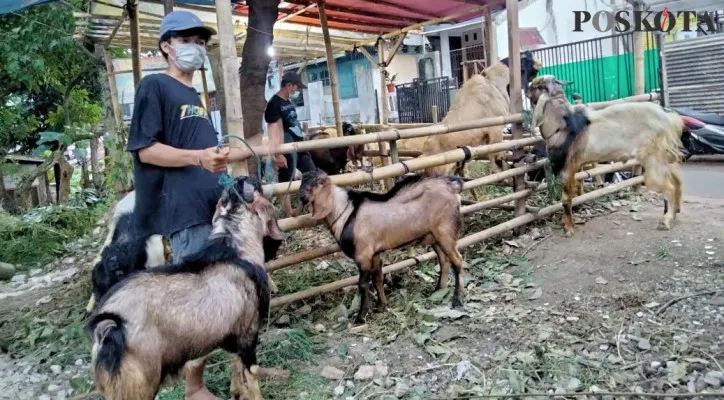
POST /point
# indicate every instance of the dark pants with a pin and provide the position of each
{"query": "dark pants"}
(304, 164)
(304, 161)
(189, 240)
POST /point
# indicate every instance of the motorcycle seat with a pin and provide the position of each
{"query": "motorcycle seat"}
(705, 117)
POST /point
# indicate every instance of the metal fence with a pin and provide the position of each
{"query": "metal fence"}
(459, 56)
(415, 99)
(601, 69)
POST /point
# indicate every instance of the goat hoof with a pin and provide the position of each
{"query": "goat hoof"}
(569, 234)
(456, 303)
(663, 226)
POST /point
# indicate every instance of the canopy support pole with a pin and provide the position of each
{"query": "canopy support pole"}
(135, 41)
(331, 66)
(230, 79)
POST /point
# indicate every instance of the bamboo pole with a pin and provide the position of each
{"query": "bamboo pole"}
(230, 79)
(429, 130)
(434, 114)
(132, 6)
(488, 27)
(394, 49)
(384, 114)
(331, 65)
(167, 6)
(397, 169)
(516, 101)
(639, 48)
(462, 243)
(205, 87)
(112, 86)
(304, 221)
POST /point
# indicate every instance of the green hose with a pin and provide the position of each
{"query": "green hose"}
(226, 181)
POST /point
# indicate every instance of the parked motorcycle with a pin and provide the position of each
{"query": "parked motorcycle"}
(703, 132)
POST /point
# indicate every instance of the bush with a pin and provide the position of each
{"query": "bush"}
(42, 235)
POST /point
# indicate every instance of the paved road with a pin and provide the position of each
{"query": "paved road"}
(703, 178)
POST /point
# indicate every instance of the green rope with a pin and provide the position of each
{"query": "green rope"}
(227, 181)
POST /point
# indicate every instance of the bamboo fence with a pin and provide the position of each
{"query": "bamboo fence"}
(398, 169)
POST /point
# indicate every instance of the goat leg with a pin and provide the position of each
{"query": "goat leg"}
(364, 288)
(444, 276)
(446, 241)
(567, 200)
(379, 283)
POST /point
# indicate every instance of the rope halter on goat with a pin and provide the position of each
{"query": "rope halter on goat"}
(226, 181)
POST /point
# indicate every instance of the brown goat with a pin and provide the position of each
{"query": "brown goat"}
(332, 161)
(417, 208)
(155, 321)
(481, 96)
(577, 135)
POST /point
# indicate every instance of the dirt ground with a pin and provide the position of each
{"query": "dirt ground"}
(619, 307)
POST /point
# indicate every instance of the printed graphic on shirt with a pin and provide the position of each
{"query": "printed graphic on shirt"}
(189, 110)
(289, 113)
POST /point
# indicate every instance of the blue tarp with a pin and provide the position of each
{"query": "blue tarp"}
(8, 6)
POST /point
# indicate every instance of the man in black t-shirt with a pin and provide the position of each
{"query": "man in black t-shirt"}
(176, 161)
(281, 116)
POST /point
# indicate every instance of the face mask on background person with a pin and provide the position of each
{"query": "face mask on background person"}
(189, 56)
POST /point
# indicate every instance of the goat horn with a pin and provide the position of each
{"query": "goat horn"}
(247, 192)
(563, 83)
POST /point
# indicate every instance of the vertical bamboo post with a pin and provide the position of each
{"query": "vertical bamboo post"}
(331, 66)
(434, 114)
(639, 47)
(384, 115)
(135, 40)
(663, 76)
(205, 86)
(230, 79)
(215, 61)
(516, 100)
(167, 6)
(112, 86)
(488, 27)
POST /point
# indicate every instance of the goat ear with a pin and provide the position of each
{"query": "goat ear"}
(323, 203)
(268, 214)
(564, 83)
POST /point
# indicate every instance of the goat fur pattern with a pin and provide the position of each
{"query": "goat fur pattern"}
(418, 208)
(579, 135)
(154, 321)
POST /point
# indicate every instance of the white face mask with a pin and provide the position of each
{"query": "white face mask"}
(189, 56)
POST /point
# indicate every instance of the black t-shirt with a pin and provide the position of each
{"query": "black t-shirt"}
(277, 108)
(171, 199)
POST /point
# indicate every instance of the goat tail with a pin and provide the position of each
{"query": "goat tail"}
(673, 136)
(117, 373)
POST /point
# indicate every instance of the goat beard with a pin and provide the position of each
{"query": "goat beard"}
(540, 106)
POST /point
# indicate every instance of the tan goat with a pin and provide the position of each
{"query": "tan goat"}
(577, 135)
(482, 96)
(365, 224)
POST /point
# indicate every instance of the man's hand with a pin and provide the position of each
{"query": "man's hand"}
(281, 160)
(213, 161)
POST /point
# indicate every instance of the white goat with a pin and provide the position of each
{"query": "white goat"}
(577, 135)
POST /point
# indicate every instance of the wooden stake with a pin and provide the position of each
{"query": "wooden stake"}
(117, 115)
(205, 87)
(230, 79)
(516, 100)
(135, 41)
(331, 66)
(434, 114)
(488, 37)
